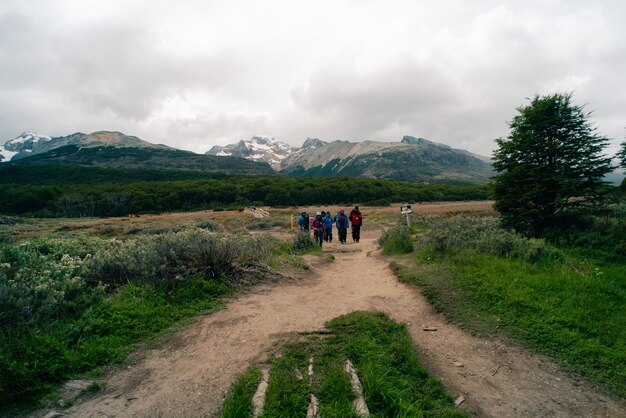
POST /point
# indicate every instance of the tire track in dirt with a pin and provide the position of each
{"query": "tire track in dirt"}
(189, 374)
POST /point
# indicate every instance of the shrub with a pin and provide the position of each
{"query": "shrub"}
(396, 240)
(209, 225)
(484, 235)
(42, 280)
(165, 259)
(302, 241)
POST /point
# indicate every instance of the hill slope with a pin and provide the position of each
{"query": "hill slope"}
(29, 144)
(149, 158)
(412, 159)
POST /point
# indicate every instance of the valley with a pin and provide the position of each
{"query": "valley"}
(188, 372)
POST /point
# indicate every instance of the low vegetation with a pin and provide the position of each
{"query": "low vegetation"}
(303, 242)
(238, 403)
(394, 383)
(565, 301)
(396, 240)
(72, 304)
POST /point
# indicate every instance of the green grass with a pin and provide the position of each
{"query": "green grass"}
(238, 403)
(394, 383)
(396, 240)
(33, 362)
(574, 311)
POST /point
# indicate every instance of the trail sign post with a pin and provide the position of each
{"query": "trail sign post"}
(406, 210)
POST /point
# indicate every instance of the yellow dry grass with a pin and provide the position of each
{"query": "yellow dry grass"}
(373, 216)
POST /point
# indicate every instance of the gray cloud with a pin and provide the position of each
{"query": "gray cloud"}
(198, 73)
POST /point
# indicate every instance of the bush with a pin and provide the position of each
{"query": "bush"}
(43, 280)
(484, 235)
(302, 242)
(600, 236)
(209, 225)
(163, 260)
(396, 240)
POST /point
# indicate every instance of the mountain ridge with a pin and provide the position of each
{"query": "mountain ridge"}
(412, 159)
(258, 148)
(117, 150)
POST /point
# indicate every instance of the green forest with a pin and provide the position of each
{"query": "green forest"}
(74, 191)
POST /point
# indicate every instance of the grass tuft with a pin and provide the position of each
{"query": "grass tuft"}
(238, 403)
(396, 241)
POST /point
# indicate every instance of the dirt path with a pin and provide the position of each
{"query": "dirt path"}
(189, 374)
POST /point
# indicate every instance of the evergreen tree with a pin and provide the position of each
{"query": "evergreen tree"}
(550, 165)
(622, 156)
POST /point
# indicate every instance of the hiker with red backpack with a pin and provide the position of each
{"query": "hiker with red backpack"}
(317, 226)
(342, 222)
(356, 219)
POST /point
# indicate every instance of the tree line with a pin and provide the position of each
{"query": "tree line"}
(82, 191)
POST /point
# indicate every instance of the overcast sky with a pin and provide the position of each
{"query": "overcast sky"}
(196, 73)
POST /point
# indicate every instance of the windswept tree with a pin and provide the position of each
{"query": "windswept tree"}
(621, 155)
(550, 165)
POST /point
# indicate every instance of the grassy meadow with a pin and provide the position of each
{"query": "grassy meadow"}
(566, 301)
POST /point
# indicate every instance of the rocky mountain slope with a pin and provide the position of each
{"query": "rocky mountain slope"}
(117, 150)
(29, 144)
(258, 148)
(22, 145)
(412, 159)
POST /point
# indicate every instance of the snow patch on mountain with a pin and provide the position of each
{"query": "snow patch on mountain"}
(27, 140)
(24, 143)
(257, 148)
(6, 155)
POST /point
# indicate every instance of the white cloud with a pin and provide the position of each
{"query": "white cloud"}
(193, 74)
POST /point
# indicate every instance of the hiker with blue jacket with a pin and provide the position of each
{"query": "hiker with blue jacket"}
(342, 222)
(328, 227)
(303, 221)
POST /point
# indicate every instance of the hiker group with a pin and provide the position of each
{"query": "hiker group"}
(322, 225)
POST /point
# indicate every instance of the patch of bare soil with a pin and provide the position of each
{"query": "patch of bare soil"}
(189, 374)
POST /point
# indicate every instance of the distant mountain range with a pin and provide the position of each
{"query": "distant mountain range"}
(412, 159)
(117, 150)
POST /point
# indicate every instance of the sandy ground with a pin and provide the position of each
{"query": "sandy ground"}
(189, 373)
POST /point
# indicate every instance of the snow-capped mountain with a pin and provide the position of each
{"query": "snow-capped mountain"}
(259, 148)
(25, 144)
(29, 144)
